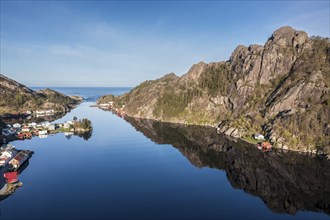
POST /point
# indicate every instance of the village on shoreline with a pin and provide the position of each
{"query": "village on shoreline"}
(21, 131)
(25, 125)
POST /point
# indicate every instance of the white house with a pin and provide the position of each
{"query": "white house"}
(33, 124)
(7, 154)
(16, 125)
(50, 111)
(51, 127)
(259, 137)
(42, 132)
(104, 105)
(67, 125)
(25, 129)
(45, 124)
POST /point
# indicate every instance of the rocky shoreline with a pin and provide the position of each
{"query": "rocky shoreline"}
(226, 132)
(230, 136)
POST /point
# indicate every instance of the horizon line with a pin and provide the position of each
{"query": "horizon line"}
(80, 86)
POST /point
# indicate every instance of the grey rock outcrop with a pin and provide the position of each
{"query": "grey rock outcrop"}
(281, 51)
(280, 89)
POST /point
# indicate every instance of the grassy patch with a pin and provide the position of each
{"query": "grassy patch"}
(251, 140)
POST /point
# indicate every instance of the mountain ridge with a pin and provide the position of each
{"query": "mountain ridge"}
(16, 97)
(279, 89)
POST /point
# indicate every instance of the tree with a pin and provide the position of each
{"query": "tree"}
(86, 124)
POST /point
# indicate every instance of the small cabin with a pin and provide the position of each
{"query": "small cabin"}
(19, 159)
(258, 137)
(50, 111)
(42, 132)
(51, 127)
(40, 112)
(16, 125)
(266, 145)
(33, 124)
(25, 129)
(45, 124)
(20, 136)
(67, 125)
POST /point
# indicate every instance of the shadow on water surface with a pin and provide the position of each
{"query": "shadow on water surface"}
(286, 182)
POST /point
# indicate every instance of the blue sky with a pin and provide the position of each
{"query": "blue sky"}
(113, 43)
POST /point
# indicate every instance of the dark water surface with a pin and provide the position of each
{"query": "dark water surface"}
(141, 169)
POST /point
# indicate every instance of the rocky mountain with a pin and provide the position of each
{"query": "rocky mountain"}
(16, 98)
(287, 182)
(280, 89)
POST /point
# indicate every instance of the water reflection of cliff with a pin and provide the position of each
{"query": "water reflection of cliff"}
(286, 182)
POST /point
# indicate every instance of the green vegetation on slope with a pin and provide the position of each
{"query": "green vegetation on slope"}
(280, 89)
(16, 97)
(173, 102)
(216, 80)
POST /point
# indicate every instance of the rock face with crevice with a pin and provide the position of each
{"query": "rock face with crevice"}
(279, 89)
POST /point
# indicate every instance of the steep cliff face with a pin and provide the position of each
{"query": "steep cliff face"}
(280, 89)
(16, 97)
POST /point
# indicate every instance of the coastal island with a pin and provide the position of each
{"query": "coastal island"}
(17, 100)
(25, 113)
(279, 90)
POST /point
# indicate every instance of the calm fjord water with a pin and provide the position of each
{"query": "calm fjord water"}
(142, 169)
